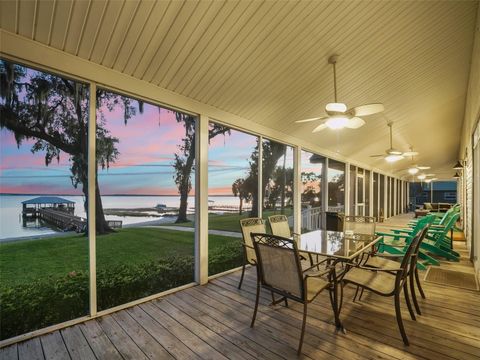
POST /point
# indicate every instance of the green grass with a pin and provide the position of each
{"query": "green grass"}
(230, 222)
(24, 261)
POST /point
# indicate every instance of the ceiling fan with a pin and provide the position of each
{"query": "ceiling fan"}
(426, 177)
(392, 154)
(338, 116)
(415, 169)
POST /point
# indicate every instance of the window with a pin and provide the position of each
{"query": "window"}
(232, 193)
(277, 180)
(146, 181)
(336, 186)
(311, 197)
(43, 181)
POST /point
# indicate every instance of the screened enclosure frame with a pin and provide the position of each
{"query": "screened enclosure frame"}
(201, 275)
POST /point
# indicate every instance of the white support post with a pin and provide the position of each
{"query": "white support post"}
(297, 188)
(260, 175)
(201, 200)
(395, 196)
(370, 192)
(92, 173)
(324, 193)
(386, 194)
(347, 189)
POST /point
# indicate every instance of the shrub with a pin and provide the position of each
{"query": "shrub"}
(47, 301)
(225, 257)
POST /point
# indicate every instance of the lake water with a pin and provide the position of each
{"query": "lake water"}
(11, 224)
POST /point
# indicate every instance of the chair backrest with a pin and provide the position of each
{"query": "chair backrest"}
(422, 234)
(413, 247)
(428, 219)
(278, 264)
(364, 225)
(279, 225)
(449, 224)
(248, 226)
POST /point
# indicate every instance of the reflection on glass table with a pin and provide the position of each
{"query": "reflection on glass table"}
(336, 244)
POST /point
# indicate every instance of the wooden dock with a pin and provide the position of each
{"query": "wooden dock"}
(63, 220)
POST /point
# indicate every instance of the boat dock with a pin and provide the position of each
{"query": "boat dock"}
(59, 212)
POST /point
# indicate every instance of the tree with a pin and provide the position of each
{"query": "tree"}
(336, 190)
(272, 152)
(240, 189)
(184, 162)
(53, 112)
(311, 188)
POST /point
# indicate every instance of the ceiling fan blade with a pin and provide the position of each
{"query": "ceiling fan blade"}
(423, 167)
(410, 153)
(319, 128)
(380, 155)
(355, 123)
(311, 119)
(367, 109)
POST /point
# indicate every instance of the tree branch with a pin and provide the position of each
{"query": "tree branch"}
(9, 120)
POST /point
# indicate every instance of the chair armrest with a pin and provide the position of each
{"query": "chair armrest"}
(405, 231)
(315, 265)
(379, 269)
(391, 235)
(393, 256)
(318, 273)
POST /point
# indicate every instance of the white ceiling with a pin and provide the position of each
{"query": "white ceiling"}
(266, 61)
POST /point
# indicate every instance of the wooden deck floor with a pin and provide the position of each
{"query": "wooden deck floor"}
(212, 322)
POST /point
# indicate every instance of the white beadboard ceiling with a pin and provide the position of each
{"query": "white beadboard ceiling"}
(267, 61)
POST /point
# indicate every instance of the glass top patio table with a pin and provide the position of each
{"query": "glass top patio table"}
(336, 244)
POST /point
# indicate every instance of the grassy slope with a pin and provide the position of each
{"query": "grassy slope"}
(230, 222)
(23, 261)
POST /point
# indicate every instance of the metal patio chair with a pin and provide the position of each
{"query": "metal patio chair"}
(279, 271)
(248, 226)
(380, 280)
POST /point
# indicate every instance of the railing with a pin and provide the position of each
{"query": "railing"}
(312, 218)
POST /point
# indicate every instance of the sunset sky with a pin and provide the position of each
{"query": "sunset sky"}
(146, 144)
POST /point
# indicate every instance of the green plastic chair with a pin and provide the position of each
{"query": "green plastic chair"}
(438, 243)
(398, 243)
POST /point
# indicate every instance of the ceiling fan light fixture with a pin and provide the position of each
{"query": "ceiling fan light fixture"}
(456, 176)
(422, 177)
(337, 122)
(393, 158)
(413, 171)
(336, 107)
(428, 181)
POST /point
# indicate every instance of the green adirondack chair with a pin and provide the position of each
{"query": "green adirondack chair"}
(438, 243)
(397, 243)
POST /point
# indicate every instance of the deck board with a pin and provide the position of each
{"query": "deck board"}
(54, 347)
(213, 322)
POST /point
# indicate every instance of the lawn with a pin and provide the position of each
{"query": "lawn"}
(231, 222)
(23, 261)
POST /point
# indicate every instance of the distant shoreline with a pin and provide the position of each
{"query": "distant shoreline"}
(125, 195)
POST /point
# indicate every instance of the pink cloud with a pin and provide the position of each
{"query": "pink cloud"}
(38, 189)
